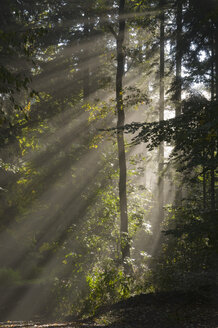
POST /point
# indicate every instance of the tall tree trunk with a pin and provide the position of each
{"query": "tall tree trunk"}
(125, 249)
(178, 90)
(204, 189)
(216, 58)
(161, 117)
(178, 93)
(214, 90)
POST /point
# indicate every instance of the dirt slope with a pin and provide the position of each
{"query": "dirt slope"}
(161, 310)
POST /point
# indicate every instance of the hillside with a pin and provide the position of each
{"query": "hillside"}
(160, 310)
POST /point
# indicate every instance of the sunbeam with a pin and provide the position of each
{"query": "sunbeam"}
(108, 156)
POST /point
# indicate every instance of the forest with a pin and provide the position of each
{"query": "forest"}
(108, 162)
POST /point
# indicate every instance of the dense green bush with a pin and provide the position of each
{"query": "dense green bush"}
(188, 258)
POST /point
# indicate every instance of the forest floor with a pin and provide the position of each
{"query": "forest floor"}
(160, 310)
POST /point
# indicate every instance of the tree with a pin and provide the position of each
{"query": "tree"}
(120, 135)
(161, 116)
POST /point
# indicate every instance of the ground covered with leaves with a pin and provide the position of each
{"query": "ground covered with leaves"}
(159, 310)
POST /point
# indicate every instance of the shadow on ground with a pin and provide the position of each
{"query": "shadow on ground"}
(159, 310)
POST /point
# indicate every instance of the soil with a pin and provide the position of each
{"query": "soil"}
(159, 310)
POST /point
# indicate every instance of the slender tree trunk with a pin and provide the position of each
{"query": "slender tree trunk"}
(216, 59)
(161, 117)
(204, 190)
(178, 91)
(214, 90)
(212, 174)
(125, 249)
(212, 179)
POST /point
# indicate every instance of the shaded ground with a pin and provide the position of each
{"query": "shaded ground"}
(162, 310)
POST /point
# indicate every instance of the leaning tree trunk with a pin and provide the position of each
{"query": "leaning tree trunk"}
(125, 249)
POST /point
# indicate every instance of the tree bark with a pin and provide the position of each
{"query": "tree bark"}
(178, 93)
(214, 90)
(125, 249)
(161, 117)
(178, 90)
(216, 59)
(204, 190)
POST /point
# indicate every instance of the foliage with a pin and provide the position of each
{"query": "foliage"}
(59, 174)
(110, 285)
(188, 256)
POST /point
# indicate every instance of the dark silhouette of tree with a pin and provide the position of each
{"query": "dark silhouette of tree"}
(120, 135)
